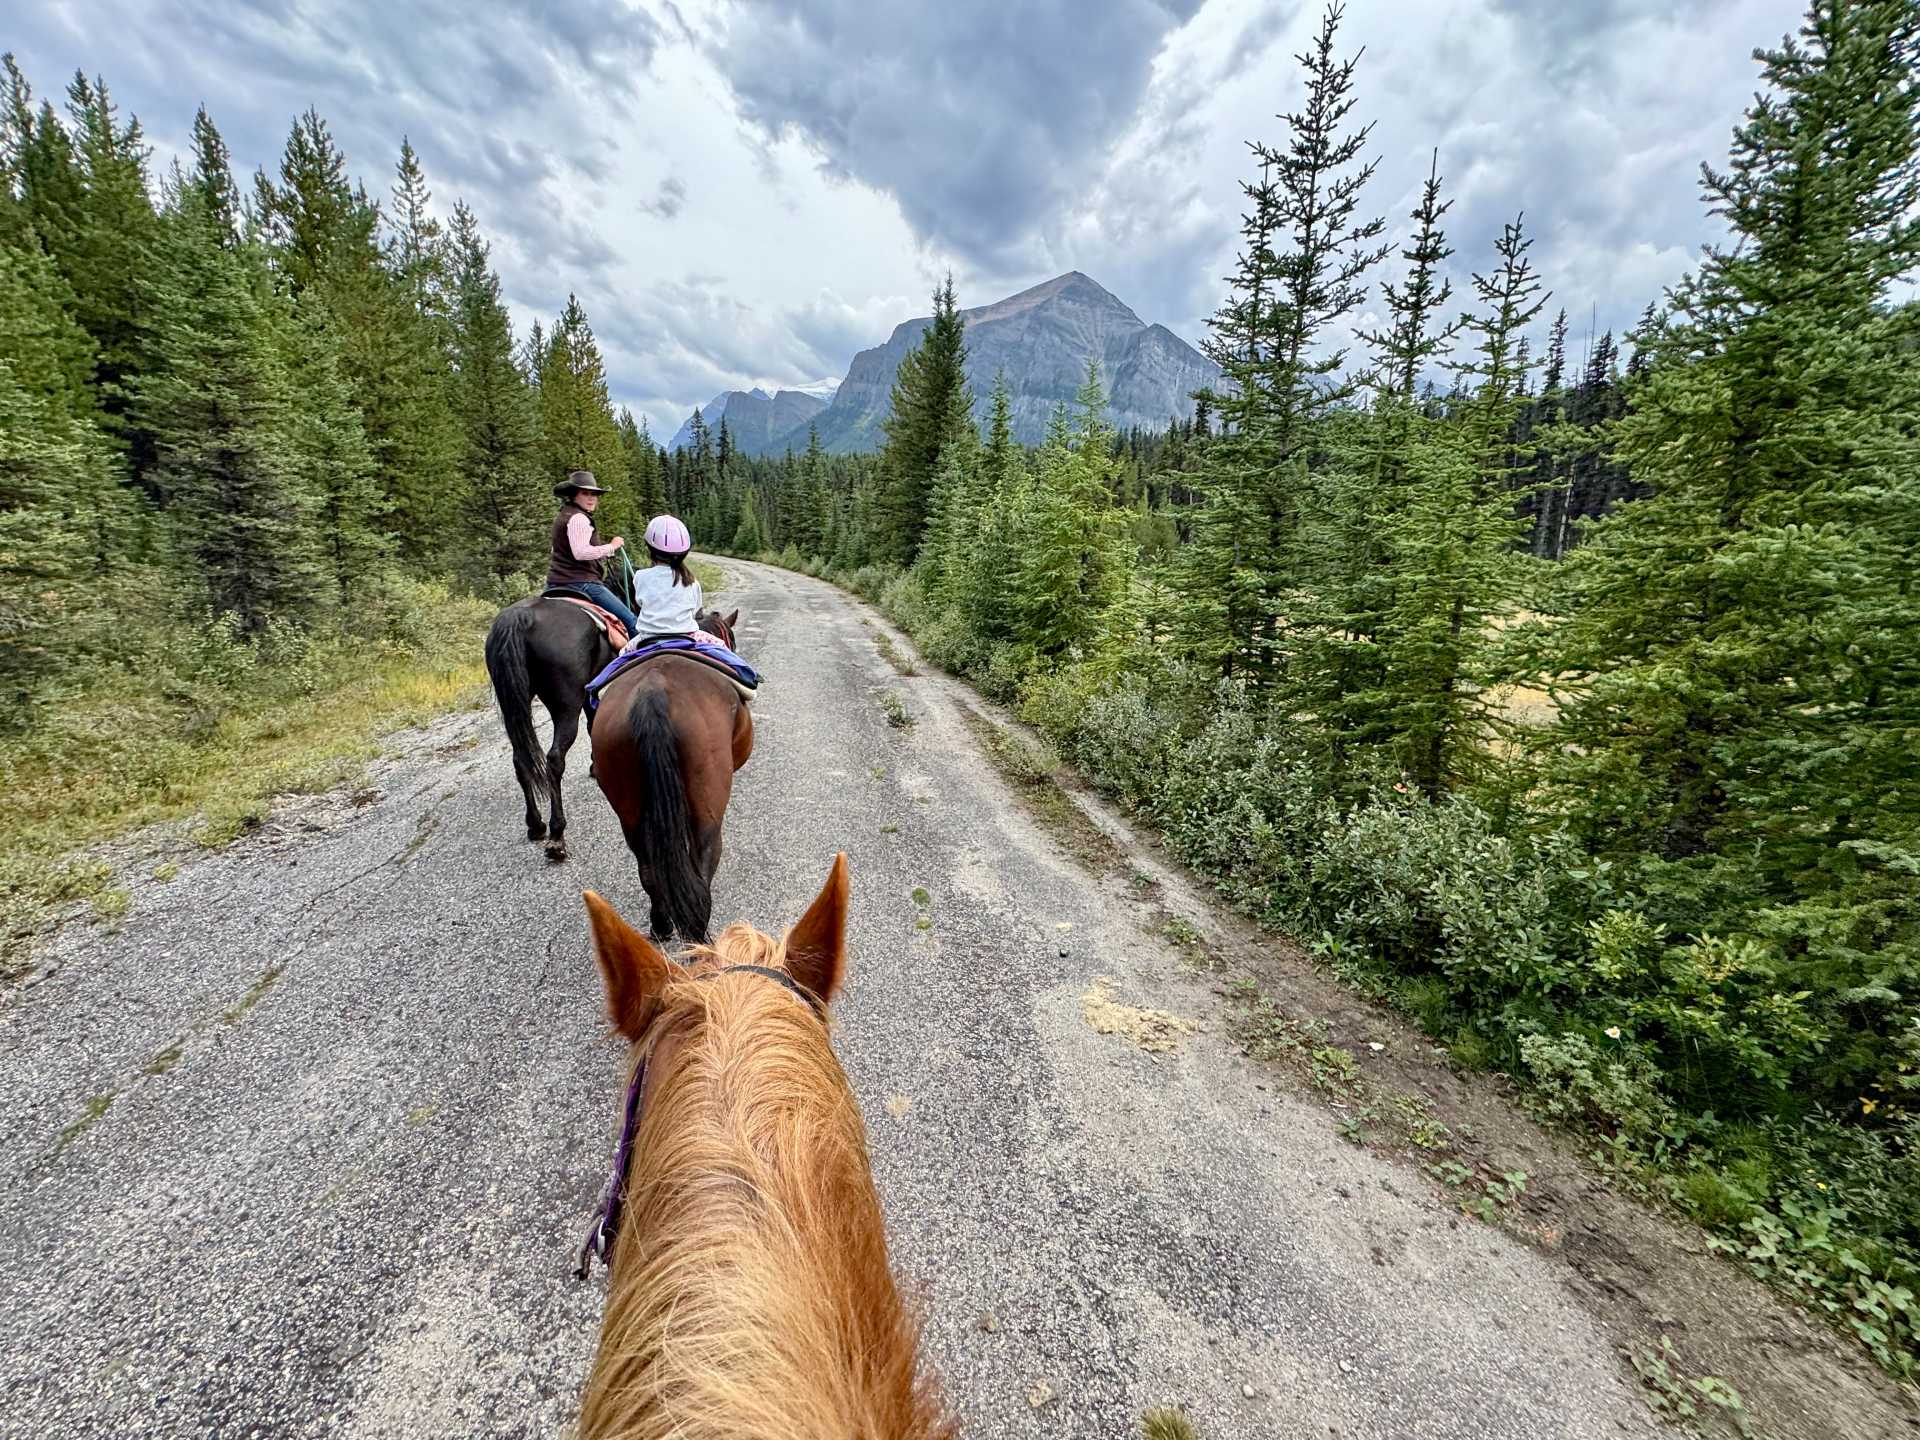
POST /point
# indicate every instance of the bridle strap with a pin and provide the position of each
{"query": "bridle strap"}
(605, 1227)
(781, 978)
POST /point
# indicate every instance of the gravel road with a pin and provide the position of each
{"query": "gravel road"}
(304, 1146)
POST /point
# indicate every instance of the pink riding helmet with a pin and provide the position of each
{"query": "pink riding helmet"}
(668, 535)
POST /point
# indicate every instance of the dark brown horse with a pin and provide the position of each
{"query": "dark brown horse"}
(550, 649)
(750, 1295)
(666, 740)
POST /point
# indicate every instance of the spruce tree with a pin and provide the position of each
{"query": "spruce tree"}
(503, 497)
(212, 179)
(218, 406)
(930, 405)
(576, 413)
(1735, 654)
(1306, 252)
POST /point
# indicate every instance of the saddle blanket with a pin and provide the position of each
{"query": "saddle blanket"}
(745, 678)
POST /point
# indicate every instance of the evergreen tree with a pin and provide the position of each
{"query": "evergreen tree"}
(1736, 653)
(418, 248)
(576, 414)
(313, 219)
(505, 499)
(930, 406)
(748, 538)
(811, 510)
(1307, 250)
(212, 179)
(329, 461)
(218, 408)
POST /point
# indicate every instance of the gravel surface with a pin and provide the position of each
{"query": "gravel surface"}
(305, 1146)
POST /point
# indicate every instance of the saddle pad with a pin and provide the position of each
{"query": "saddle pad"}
(745, 679)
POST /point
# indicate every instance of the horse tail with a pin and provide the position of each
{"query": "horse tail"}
(666, 823)
(513, 691)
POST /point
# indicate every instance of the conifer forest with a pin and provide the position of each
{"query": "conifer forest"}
(1569, 703)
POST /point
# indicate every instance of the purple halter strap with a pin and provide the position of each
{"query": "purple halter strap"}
(605, 1228)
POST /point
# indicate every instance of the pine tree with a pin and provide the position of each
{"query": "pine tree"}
(313, 219)
(1306, 251)
(1071, 569)
(747, 536)
(418, 248)
(212, 179)
(504, 499)
(930, 406)
(1453, 534)
(811, 509)
(576, 413)
(218, 408)
(1556, 355)
(1736, 654)
(328, 459)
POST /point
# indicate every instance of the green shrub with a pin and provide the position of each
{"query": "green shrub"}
(1616, 1090)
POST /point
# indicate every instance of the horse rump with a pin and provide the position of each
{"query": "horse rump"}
(664, 838)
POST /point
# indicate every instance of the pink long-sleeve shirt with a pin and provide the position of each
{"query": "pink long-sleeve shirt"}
(580, 540)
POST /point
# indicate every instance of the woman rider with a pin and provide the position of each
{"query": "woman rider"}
(577, 554)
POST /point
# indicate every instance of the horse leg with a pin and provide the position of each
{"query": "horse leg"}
(659, 928)
(706, 858)
(566, 725)
(536, 822)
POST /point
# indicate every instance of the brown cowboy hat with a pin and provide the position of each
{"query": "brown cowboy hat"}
(579, 480)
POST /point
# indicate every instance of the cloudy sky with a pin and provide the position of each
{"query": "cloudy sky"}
(747, 191)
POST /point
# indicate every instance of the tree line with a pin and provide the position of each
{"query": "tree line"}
(264, 401)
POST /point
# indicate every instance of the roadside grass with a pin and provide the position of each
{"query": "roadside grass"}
(148, 745)
(712, 577)
(891, 653)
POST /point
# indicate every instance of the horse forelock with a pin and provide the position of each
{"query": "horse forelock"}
(751, 1294)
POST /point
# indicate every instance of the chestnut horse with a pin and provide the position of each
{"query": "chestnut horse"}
(750, 1295)
(667, 737)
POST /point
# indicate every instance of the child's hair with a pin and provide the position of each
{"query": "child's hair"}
(676, 563)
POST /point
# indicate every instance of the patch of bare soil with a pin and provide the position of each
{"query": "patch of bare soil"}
(1154, 1031)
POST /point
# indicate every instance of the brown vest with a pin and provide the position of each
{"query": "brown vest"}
(562, 568)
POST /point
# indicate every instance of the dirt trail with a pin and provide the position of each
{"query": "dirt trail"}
(303, 1147)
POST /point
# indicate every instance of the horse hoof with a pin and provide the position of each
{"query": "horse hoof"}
(556, 850)
(536, 833)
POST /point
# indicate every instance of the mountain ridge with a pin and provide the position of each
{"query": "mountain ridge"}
(1041, 339)
(757, 421)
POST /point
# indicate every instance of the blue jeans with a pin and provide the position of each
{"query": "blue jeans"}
(607, 600)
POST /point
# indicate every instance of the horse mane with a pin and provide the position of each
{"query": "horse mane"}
(751, 1296)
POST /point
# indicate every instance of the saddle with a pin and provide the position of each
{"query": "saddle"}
(608, 622)
(746, 680)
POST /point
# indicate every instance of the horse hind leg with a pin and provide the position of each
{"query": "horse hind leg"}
(566, 725)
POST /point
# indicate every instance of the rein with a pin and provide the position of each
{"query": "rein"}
(605, 1227)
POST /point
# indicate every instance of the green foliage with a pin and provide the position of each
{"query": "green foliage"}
(931, 407)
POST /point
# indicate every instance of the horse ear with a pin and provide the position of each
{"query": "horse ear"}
(732, 620)
(635, 971)
(817, 946)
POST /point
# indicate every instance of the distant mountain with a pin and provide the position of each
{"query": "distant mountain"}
(758, 422)
(1041, 339)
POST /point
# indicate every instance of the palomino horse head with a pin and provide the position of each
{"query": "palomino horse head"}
(750, 1293)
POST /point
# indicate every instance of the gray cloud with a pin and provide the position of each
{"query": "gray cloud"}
(668, 203)
(1017, 141)
(982, 121)
(486, 102)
